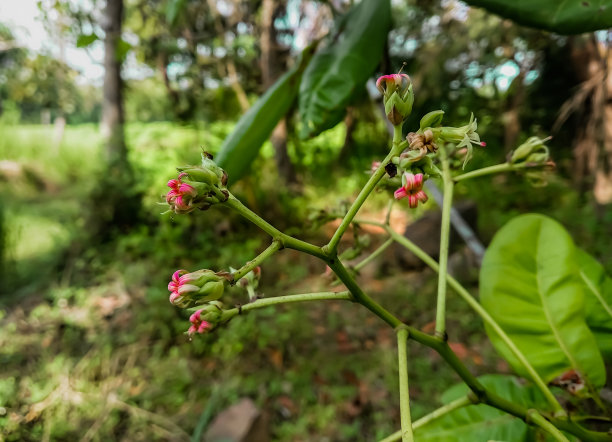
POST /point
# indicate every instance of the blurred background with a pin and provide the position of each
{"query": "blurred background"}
(100, 101)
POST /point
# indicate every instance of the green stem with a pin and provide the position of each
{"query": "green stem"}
(447, 205)
(287, 299)
(361, 297)
(537, 419)
(286, 240)
(479, 309)
(271, 250)
(375, 254)
(402, 357)
(389, 209)
(498, 168)
(451, 406)
(332, 247)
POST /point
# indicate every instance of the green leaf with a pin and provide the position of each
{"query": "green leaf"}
(598, 301)
(85, 40)
(338, 72)
(482, 422)
(561, 16)
(240, 148)
(529, 283)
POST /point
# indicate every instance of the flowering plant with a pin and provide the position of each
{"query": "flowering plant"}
(426, 154)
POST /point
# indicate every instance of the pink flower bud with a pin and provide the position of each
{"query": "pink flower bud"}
(198, 325)
(188, 289)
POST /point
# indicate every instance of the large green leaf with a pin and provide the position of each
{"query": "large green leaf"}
(597, 301)
(529, 283)
(341, 70)
(561, 16)
(240, 148)
(482, 422)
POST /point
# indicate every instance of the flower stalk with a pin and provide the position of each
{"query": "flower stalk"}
(402, 357)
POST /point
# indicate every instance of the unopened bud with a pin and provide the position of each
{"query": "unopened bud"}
(190, 289)
(197, 187)
(398, 96)
(206, 319)
(531, 151)
(432, 119)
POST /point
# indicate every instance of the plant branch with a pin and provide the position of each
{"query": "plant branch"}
(287, 299)
(375, 254)
(534, 417)
(498, 168)
(286, 240)
(402, 357)
(332, 247)
(270, 250)
(451, 406)
(479, 309)
(447, 205)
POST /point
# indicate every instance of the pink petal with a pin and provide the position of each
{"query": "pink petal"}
(409, 178)
(172, 286)
(418, 181)
(187, 288)
(483, 144)
(421, 196)
(195, 317)
(187, 189)
(182, 174)
(413, 201)
(400, 193)
(173, 184)
(173, 297)
(176, 275)
(180, 204)
(203, 327)
(171, 196)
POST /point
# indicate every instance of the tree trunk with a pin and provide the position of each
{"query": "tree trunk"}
(112, 108)
(115, 203)
(271, 64)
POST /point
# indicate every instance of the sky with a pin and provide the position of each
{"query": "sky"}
(24, 19)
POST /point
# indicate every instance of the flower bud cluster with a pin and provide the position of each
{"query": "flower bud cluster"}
(398, 96)
(532, 152)
(197, 187)
(191, 289)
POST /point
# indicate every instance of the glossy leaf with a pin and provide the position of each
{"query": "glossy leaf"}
(597, 301)
(240, 148)
(339, 71)
(529, 283)
(561, 16)
(482, 422)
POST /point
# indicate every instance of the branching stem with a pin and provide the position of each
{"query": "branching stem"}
(270, 250)
(332, 247)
